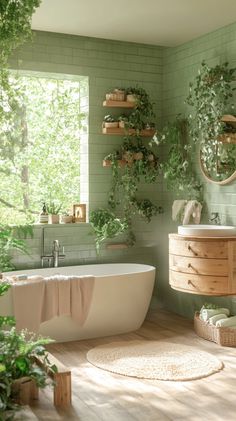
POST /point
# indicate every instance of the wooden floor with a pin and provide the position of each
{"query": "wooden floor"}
(100, 395)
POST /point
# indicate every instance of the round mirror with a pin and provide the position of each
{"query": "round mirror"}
(218, 159)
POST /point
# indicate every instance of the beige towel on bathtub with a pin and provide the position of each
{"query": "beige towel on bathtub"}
(56, 297)
(28, 298)
(81, 297)
(67, 296)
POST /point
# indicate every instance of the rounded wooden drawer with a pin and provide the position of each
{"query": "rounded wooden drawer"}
(208, 249)
(198, 265)
(199, 284)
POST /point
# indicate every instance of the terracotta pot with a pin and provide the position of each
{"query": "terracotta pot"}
(131, 98)
(53, 219)
(109, 125)
(138, 156)
(21, 390)
(66, 219)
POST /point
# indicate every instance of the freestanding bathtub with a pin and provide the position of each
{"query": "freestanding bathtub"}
(121, 297)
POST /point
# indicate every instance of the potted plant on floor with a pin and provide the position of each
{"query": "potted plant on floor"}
(17, 363)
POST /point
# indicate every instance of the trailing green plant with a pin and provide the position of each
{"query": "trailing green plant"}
(106, 225)
(15, 29)
(17, 360)
(210, 95)
(12, 238)
(146, 209)
(178, 168)
(133, 163)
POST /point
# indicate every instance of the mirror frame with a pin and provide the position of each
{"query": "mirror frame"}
(228, 180)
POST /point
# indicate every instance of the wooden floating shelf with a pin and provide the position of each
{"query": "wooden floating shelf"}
(229, 118)
(119, 104)
(228, 138)
(119, 131)
(117, 246)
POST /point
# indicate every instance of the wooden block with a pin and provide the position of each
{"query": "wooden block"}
(62, 379)
(62, 389)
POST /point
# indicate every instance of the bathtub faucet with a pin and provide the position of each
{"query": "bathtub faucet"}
(55, 256)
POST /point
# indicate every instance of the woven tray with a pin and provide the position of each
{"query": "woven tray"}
(224, 336)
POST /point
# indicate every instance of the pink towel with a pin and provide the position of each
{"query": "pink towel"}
(28, 298)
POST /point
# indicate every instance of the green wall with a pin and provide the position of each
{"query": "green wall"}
(165, 73)
(180, 66)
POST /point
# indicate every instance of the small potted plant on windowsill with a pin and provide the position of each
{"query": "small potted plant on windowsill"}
(110, 122)
(53, 211)
(66, 218)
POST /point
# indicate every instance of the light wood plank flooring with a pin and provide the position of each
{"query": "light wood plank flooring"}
(102, 396)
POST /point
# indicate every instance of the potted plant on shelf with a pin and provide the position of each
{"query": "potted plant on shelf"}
(66, 218)
(106, 225)
(110, 122)
(53, 211)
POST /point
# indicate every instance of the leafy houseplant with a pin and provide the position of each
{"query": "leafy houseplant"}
(178, 168)
(210, 95)
(10, 239)
(106, 225)
(17, 361)
(15, 28)
(110, 121)
(53, 211)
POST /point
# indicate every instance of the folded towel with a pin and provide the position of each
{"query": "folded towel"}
(206, 313)
(178, 208)
(229, 322)
(212, 320)
(192, 209)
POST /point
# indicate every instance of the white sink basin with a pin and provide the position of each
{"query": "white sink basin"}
(207, 230)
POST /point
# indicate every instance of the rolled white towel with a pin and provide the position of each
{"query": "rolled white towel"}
(214, 319)
(229, 322)
(206, 313)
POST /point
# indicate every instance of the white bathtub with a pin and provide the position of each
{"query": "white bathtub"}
(120, 302)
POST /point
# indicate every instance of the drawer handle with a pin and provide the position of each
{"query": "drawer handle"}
(194, 252)
(191, 283)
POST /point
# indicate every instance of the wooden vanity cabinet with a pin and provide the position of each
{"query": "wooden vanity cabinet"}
(202, 265)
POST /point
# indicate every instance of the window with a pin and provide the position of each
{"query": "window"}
(43, 145)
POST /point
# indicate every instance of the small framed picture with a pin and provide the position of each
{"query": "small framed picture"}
(79, 212)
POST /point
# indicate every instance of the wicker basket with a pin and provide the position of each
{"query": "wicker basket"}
(224, 336)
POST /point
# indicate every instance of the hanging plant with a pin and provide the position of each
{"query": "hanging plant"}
(15, 29)
(132, 164)
(106, 225)
(210, 95)
(178, 169)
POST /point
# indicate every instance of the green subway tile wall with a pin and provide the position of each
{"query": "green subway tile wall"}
(180, 66)
(165, 73)
(108, 64)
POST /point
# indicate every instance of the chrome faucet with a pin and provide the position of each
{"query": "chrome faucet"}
(54, 258)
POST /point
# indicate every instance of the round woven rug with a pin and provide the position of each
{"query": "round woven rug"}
(154, 360)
